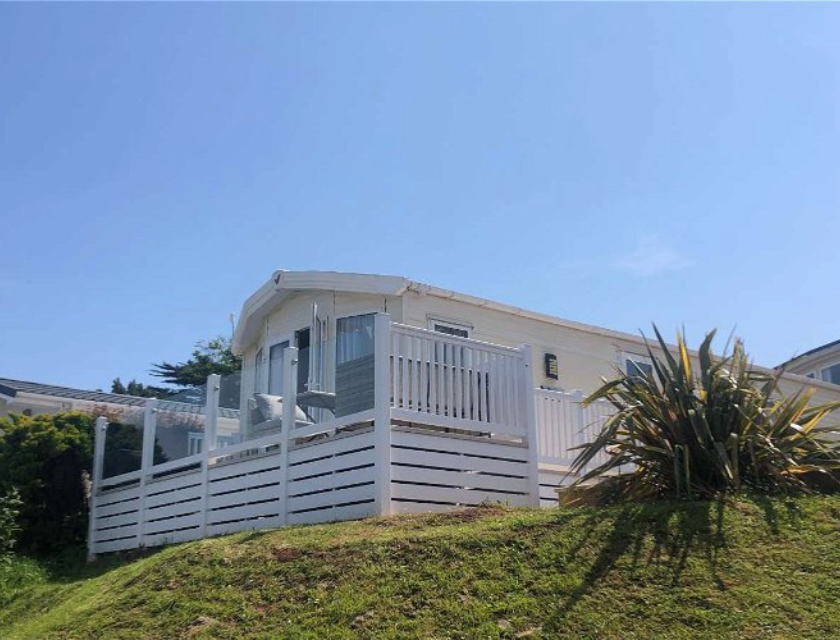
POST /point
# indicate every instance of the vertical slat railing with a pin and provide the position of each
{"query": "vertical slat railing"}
(455, 377)
(564, 423)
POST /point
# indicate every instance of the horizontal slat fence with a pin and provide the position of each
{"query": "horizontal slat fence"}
(332, 480)
(237, 488)
(431, 472)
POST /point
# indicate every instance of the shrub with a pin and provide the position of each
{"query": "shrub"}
(45, 458)
(688, 431)
(48, 460)
(9, 527)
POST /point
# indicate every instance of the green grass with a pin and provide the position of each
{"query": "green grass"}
(749, 568)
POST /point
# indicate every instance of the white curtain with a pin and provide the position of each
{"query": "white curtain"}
(354, 338)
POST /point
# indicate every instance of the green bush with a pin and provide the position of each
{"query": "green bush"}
(9, 527)
(48, 460)
(45, 458)
(685, 430)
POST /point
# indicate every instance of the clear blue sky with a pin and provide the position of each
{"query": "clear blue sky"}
(610, 164)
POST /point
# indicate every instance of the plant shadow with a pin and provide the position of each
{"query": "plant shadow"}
(792, 512)
(667, 534)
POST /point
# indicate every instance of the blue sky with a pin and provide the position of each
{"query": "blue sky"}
(612, 164)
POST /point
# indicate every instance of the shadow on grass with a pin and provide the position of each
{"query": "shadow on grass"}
(72, 565)
(665, 534)
(791, 516)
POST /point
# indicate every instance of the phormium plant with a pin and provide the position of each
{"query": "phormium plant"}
(699, 426)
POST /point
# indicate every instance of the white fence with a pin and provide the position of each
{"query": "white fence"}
(457, 381)
(563, 423)
(455, 422)
(263, 483)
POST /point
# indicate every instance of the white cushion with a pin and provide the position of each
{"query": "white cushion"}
(271, 407)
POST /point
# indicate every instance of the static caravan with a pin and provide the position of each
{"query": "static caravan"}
(324, 313)
(366, 395)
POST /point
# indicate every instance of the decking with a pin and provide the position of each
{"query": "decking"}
(447, 422)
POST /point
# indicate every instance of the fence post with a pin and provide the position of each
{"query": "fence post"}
(211, 422)
(99, 431)
(290, 364)
(146, 462)
(578, 420)
(529, 418)
(211, 412)
(382, 411)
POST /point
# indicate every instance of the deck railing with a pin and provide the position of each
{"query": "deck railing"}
(456, 381)
(432, 422)
(563, 425)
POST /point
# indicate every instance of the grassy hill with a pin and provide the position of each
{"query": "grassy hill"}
(749, 568)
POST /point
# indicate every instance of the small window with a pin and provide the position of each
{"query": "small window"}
(637, 366)
(831, 374)
(811, 375)
(194, 442)
(450, 328)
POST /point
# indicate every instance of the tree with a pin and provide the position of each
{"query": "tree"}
(689, 431)
(138, 389)
(212, 356)
(208, 357)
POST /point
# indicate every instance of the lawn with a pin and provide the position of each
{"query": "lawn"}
(749, 567)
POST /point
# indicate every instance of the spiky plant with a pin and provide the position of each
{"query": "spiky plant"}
(689, 431)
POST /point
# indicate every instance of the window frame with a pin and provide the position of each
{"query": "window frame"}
(635, 358)
(823, 371)
(345, 316)
(433, 321)
(273, 341)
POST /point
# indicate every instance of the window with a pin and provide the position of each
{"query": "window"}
(637, 366)
(354, 338)
(276, 355)
(195, 441)
(258, 372)
(831, 374)
(450, 328)
(811, 375)
(302, 343)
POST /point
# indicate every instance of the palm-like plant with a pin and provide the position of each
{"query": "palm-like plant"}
(688, 431)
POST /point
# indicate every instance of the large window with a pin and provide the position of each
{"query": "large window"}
(354, 338)
(831, 374)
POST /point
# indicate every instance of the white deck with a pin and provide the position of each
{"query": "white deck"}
(455, 422)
